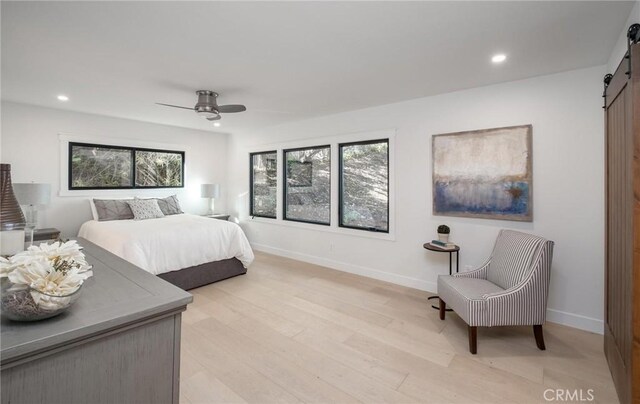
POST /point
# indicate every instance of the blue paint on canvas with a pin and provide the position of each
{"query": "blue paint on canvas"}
(501, 198)
(484, 174)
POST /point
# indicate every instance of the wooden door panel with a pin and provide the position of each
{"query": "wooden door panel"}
(635, 293)
(619, 234)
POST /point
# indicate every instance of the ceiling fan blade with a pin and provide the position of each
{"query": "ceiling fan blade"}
(175, 106)
(214, 118)
(231, 108)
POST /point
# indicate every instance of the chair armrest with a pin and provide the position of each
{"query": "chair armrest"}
(522, 304)
(480, 273)
(497, 295)
(516, 291)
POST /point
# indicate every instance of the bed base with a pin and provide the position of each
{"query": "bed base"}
(200, 275)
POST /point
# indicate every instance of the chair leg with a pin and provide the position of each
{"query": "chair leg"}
(537, 331)
(443, 309)
(473, 339)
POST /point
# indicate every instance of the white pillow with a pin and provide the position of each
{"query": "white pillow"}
(145, 209)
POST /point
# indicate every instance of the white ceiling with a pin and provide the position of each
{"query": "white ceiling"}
(285, 60)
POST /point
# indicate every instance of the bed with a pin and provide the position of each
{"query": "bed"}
(186, 250)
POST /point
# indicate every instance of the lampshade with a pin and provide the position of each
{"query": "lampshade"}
(32, 193)
(210, 190)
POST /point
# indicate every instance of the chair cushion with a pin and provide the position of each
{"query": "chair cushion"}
(460, 294)
(512, 257)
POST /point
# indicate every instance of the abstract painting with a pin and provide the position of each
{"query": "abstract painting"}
(484, 174)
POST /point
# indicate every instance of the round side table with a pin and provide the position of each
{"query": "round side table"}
(456, 250)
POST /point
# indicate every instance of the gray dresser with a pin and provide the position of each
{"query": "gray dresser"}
(119, 343)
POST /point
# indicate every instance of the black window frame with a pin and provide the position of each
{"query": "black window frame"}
(285, 186)
(132, 150)
(341, 185)
(251, 205)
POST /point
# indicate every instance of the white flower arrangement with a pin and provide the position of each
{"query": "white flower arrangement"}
(48, 271)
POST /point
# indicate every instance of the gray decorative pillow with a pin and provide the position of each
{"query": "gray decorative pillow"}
(145, 209)
(169, 205)
(113, 209)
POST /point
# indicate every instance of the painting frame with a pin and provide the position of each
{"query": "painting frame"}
(519, 188)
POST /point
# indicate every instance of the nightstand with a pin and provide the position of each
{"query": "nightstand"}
(43, 235)
(219, 216)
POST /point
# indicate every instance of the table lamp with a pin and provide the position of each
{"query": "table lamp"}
(211, 191)
(34, 196)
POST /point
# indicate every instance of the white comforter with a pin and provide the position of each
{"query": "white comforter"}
(170, 243)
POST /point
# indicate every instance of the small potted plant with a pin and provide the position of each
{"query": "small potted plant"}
(443, 233)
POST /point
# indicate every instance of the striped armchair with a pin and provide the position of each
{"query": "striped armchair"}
(511, 288)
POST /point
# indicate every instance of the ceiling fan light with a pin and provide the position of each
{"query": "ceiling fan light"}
(207, 114)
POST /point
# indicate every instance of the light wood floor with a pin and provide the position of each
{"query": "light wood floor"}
(294, 332)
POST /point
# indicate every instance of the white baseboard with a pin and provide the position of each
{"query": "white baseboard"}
(555, 316)
(350, 268)
(576, 321)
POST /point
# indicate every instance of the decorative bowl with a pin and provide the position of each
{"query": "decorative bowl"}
(32, 305)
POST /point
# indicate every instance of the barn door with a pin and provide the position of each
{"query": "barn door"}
(622, 100)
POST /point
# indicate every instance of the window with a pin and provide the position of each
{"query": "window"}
(264, 172)
(364, 185)
(94, 166)
(158, 168)
(307, 185)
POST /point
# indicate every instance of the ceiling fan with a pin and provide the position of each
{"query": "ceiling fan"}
(208, 107)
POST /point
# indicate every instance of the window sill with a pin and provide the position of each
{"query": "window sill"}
(327, 229)
(118, 193)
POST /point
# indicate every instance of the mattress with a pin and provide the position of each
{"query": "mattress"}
(170, 243)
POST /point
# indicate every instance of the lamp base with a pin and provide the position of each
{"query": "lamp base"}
(32, 222)
(211, 204)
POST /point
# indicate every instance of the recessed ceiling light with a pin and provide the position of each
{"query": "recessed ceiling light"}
(216, 124)
(63, 97)
(499, 58)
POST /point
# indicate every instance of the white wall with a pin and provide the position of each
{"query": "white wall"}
(30, 143)
(565, 111)
(620, 47)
